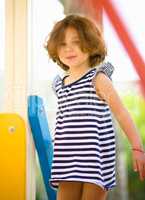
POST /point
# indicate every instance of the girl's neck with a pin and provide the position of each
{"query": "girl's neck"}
(76, 72)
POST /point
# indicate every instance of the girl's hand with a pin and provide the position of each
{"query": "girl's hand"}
(139, 163)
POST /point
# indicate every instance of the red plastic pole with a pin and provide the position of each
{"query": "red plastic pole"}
(120, 28)
(92, 8)
(126, 39)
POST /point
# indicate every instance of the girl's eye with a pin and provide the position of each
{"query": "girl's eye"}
(62, 44)
(76, 42)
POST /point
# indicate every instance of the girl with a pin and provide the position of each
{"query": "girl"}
(83, 165)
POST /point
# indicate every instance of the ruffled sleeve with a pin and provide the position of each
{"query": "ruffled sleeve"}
(107, 68)
(56, 84)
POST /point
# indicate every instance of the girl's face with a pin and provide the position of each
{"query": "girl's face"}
(69, 50)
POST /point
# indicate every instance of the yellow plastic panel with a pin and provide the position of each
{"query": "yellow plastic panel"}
(12, 157)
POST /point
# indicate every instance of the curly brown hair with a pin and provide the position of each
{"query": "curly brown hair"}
(90, 38)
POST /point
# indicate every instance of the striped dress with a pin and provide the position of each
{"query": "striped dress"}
(84, 143)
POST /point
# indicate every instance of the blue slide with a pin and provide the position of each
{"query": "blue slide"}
(42, 139)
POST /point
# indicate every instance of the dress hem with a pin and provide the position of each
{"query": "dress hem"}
(106, 188)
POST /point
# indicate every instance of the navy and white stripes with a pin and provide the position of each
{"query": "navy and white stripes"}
(84, 146)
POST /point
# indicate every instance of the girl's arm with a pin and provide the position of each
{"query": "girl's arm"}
(106, 91)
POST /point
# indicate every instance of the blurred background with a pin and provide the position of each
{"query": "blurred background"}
(41, 15)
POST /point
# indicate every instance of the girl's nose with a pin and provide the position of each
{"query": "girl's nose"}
(68, 48)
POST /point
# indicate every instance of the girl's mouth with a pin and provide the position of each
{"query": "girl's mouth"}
(70, 57)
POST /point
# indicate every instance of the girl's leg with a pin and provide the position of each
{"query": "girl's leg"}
(69, 190)
(93, 192)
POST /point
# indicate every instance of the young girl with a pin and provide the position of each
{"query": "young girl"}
(83, 165)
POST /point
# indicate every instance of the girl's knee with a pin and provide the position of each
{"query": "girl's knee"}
(93, 192)
(69, 190)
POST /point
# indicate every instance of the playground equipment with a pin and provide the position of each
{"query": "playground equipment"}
(13, 150)
(12, 157)
(42, 140)
(122, 31)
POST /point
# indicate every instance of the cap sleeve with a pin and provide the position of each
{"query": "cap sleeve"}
(56, 84)
(107, 68)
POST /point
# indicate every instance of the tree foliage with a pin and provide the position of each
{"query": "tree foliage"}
(136, 106)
